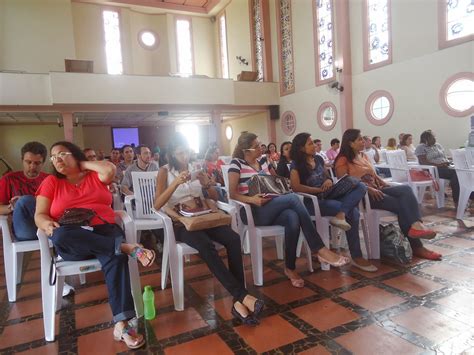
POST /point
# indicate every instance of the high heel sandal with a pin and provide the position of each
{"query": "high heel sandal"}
(343, 260)
(250, 320)
(298, 283)
(258, 307)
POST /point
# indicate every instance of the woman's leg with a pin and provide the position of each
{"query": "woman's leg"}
(203, 242)
(289, 219)
(450, 174)
(351, 200)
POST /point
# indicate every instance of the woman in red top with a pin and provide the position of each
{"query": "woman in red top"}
(80, 183)
(213, 165)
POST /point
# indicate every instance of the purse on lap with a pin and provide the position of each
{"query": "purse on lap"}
(78, 217)
(268, 184)
(198, 214)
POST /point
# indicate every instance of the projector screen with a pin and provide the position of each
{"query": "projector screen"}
(122, 136)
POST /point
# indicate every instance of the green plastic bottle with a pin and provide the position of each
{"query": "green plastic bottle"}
(149, 303)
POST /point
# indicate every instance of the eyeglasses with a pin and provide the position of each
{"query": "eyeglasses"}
(61, 155)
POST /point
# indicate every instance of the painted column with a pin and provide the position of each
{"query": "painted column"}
(343, 37)
(216, 128)
(68, 126)
(271, 127)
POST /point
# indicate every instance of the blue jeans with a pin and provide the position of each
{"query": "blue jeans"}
(347, 204)
(74, 243)
(289, 212)
(24, 227)
(401, 201)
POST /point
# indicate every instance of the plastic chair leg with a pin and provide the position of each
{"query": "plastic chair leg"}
(309, 257)
(440, 199)
(82, 279)
(177, 279)
(464, 195)
(279, 242)
(257, 262)
(59, 291)
(165, 266)
(19, 267)
(246, 243)
(374, 239)
(49, 307)
(299, 246)
(10, 258)
(135, 286)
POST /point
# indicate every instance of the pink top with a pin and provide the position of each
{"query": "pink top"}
(90, 193)
(332, 154)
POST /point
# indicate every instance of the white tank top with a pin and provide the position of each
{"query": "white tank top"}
(184, 191)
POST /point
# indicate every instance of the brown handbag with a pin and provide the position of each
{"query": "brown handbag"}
(201, 214)
(268, 184)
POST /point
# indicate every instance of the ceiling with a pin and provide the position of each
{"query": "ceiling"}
(161, 118)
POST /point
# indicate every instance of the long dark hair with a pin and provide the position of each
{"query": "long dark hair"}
(298, 156)
(405, 137)
(282, 157)
(77, 153)
(177, 140)
(426, 136)
(349, 136)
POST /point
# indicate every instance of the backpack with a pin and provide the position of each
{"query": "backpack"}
(394, 245)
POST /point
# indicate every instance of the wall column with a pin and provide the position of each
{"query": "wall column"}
(68, 126)
(343, 37)
(271, 128)
(216, 128)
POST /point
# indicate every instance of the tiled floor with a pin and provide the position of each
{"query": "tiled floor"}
(424, 307)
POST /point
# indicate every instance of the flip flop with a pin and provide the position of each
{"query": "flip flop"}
(130, 337)
(145, 256)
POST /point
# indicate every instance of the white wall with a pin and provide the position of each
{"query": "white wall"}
(256, 123)
(36, 35)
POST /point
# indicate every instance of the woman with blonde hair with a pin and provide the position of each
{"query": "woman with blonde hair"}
(391, 144)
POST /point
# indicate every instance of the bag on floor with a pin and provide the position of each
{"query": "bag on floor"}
(394, 245)
(198, 214)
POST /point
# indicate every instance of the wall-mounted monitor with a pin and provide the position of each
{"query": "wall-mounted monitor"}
(122, 136)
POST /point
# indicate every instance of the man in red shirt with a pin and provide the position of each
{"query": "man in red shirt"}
(18, 188)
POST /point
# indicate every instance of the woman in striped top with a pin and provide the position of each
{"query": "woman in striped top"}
(286, 210)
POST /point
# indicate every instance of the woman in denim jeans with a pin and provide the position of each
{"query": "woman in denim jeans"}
(286, 210)
(309, 175)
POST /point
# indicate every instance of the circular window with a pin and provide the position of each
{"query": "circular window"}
(379, 107)
(148, 39)
(229, 132)
(457, 95)
(327, 116)
(288, 123)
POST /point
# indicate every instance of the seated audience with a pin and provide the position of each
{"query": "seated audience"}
(144, 162)
(115, 156)
(156, 155)
(90, 154)
(332, 152)
(370, 150)
(319, 146)
(431, 153)
(391, 144)
(400, 137)
(407, 146)
(272, 151)
(285, 210)
(396, 199)
(285, 159)
(213, 164)
(128, 155)
(377, 142)
(100, 155)
(174, 186)
(78, 183)
(309, 175)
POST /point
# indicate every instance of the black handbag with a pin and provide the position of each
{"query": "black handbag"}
(268, 184)
(340, 188)
(78, 217)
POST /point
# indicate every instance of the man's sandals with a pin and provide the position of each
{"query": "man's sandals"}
(145, 256)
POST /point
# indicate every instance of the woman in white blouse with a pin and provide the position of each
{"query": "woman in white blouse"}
(406, 144)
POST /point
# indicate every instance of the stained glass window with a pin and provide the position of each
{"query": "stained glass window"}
(378, 29)
(324, 24)
(184, 44)
(459, 19)
(285, 37)
(113, 48)
(257, 33)
(223, 46)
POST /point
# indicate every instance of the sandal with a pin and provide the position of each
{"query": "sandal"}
(145, 256)
(298, 283)
(424, 253)
(341, 261)
(248, 320)
(129, 336)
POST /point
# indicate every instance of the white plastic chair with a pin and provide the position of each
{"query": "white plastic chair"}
(52, 295)
(13, 257)
(255, 234)
(465, 175)
(176, 251)
(400, 170)
(144, 189)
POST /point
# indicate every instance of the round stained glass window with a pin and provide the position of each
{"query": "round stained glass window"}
(379, 107)
(457, 95)
(148, 39)
(288, 123)
(229, 132)
(327, 116)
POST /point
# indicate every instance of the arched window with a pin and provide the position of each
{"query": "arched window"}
(327, 116)
(323, 25)
(379, 107)
(457, 95)
(455, 22)
(288, 123)
(377, 37)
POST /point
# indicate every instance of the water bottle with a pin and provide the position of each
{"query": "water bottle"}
(149, 303)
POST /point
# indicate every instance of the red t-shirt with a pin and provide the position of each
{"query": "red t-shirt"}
(91, 193)
(17, 184)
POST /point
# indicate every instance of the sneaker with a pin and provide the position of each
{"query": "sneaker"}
(340, 223)
(67, 289)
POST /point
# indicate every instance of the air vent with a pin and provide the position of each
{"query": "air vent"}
(163, 113)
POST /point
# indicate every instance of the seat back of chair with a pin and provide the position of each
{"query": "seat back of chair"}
(470, 156)
(397, 163)
(144, 188)
(465, 176)
(226, 158)
(6, 234)
(225, 175)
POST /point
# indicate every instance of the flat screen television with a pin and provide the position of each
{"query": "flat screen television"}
(122, 136)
